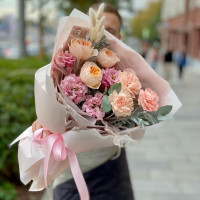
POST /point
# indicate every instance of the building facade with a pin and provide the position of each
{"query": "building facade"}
(180, 27)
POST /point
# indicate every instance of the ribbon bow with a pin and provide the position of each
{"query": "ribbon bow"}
(55, 144)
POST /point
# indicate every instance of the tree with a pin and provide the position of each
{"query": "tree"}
(144, 25)
(41, 19)
(39, 6)
(82, 5)
(22, 27)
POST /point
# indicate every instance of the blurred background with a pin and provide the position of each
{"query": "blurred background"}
(165, 165)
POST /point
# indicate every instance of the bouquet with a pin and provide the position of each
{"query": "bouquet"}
(96, 93)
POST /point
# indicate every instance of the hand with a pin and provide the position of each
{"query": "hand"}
(36, 125)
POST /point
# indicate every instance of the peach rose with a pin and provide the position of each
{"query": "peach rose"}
(82, 49)
(130, 82)
(107, 58)
(91, 75)
(148, 99)
(122, 103)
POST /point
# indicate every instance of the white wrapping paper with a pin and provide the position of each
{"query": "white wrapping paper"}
(56, 117)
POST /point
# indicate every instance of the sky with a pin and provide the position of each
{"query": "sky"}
(10, 6)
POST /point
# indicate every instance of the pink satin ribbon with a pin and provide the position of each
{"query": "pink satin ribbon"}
(55, 144)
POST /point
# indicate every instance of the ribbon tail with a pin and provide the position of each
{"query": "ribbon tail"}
(50, 142)
(78, 176)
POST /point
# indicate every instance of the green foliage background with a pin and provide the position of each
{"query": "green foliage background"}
(147, 19)
(82, 5)
(17, 112)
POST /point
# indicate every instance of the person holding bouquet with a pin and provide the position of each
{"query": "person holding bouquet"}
(96, 96)
(107, 177)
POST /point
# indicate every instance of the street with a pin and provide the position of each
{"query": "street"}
(165, 164)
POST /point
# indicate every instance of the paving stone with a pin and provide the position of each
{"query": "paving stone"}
(175, 197)
(155, 187)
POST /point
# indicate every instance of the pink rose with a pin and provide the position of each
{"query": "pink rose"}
(74, 88)
(148, 99)
(92, 106)
(82, 49)
(122, 103)
(107, 58)
(63, 59)
(130, 82)
(110, 77)
(91, 75)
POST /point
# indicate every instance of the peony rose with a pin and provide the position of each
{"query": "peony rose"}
(74, 88)
(122, 103)
(130, 82)
(148, 99)
(82, 49)
(92, 106)
(91, 75)
(107, 58)
(63, 59)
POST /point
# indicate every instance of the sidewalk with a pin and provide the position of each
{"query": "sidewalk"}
(165, 164)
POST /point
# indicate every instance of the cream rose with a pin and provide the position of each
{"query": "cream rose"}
(107, 58)
(82, 49)
(91, 75)
(122, 103)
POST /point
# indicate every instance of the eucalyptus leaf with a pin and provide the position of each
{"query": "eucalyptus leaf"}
(116, 87)
(124, 123)
(150, 118)
(136, 112)
(141, 122)
(106, 90)
(162, 118)
(105, 104)
(164, 110)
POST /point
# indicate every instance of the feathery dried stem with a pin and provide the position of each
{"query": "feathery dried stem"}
(92, 15)
(100, 11)
(97, 21)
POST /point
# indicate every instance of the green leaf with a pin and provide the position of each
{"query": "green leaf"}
(117, 87)
(164, 110)
(150, 118)
(106, 91)
(141, 122)
(105, 104)
(162, 118)
(136, 112)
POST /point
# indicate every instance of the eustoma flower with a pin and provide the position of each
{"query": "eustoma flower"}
(110, 76)
(74, 88)
(91, 75)
(82, 49)
(92, 106)
(122, 103)
(107, 58)
(63, 59)
(130, 82)
(148, 99)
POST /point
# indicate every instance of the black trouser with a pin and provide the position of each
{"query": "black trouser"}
(110, 181)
